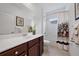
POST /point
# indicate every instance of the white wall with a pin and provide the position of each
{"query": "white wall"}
(74, 49)
(71, 19)
(38, 19)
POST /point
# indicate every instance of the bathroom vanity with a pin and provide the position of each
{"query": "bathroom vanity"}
(22, 46)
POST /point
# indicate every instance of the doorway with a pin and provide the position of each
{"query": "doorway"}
(51, 28)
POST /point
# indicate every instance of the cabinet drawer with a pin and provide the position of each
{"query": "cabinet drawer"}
(16, 51)
(19, 49)
(7, 53)
(32, 42)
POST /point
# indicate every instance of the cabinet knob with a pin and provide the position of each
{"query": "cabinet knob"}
(16, 52)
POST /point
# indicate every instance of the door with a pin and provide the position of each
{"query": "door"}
(51, 29)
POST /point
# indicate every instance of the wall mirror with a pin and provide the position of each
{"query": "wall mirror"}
(7, 24)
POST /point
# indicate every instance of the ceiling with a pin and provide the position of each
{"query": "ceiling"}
(47, 7)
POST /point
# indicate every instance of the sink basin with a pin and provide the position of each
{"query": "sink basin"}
(24, 35)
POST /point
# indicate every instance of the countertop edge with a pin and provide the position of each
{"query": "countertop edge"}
(10, 47)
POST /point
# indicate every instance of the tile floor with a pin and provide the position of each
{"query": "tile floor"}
(51, 50)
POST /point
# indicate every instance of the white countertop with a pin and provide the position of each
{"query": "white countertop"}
(8, 43)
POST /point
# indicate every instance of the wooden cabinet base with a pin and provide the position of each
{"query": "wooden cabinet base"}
(31, 48)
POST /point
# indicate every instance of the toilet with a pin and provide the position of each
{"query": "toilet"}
(46, 42)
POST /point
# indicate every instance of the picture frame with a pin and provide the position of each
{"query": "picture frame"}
(19, 21)
(76, 5)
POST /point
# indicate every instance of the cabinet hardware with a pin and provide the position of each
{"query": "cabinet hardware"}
(16, 52)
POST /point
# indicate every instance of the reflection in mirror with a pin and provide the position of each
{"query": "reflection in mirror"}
(7, 24)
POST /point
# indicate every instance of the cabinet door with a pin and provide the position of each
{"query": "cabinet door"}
(33, 42)
(34, 50)
(41, 45)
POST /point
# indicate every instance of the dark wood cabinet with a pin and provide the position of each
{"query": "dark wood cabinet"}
(33, 47)
(36, 47)
(34, 50)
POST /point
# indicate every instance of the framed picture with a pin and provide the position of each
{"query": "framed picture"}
(19, 21)
(76, 11)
